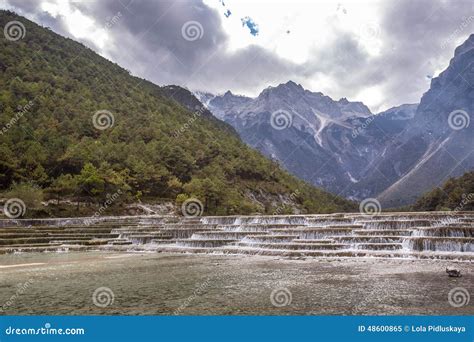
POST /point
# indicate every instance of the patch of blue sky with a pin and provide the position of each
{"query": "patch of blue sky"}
(253, 27)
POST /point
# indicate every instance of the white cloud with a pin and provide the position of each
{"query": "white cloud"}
(78, 25)
(293, 29)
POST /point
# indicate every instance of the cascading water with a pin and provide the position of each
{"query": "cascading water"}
(439, 244)
(413, 235)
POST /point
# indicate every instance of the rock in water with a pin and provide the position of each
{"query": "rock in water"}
(453, 273)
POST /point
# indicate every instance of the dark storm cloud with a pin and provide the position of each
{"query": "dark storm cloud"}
(157, 26)
(146, 37)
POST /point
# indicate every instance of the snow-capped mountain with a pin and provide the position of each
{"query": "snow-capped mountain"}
(325, 142)
(341, 146)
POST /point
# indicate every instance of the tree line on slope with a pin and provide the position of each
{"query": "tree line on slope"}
(456, 194)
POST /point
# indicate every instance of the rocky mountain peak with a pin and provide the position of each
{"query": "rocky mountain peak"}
(466, 46)
(343, 100)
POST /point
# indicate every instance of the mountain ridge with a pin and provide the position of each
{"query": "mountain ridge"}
(317, 125)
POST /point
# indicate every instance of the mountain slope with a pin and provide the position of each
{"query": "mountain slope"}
(455, 194)
(79, 126)
(440, 141)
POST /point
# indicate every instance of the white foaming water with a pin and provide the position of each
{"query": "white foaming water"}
(391, 235)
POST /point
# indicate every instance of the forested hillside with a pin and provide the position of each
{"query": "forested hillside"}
(74, 125)
(456, 194)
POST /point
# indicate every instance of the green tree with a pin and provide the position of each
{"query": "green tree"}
(90, 182)
(30, 194)
(64, 185)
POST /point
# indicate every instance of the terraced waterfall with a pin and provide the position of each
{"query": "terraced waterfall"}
(408, 235)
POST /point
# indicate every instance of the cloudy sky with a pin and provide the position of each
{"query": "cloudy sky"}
(381, 52)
